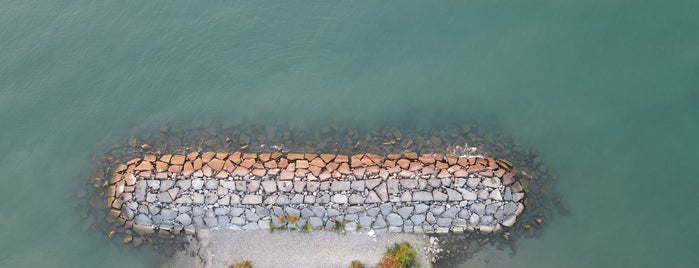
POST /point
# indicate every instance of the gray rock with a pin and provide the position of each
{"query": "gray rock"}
(309, 199)
(508, 194)
(487, 220)
(454, 195)
(164, 197)
(339, 199)
(236, 211)
(417, 219)
(224, 200)
(380, 222)
(468, 195)
(473, 182)
(434, 182)
(211, 184)
(297, 199)
(198, 211)
(422, 196)
(421, 208)
(495, 195)
(333, 213)
(464, 213)
(184, 200)
(386, 208)
(140, 191)
(478, 208)
(450, 212)
(184, 184)
(174, 193)
(315, 222)
(299, 186)
(240, 186)
(230, 185)
(499, 215)
(235, 199)
(357, 186)
(306, 213)
(318, 211)
(408, 183)
(211, 222)
(406, 197)
(354, 209)
(356, 199)
(421, 184)
(460, 222)
(365, 221)
(510, 208)
(223, 220)
(444, 222)
(270, 200)
(323, 199)
(491, 208)
(312, 186)
(263, 224)
(184, 219)
(150, 197)
(324, 186)
(439, 196)
(437, 209)
(251, 215)
(459, 182)
(197, 184)
(153, 184)
(371, 184)
(373, 211)
(372, 197)
(382, 192)
(285, 186)
(166, 185)
(142, 219)
(168, 214)
(483, 194)
(392, 186)
(153, 209)
(351, 217)
(517, 197)
(282, 200)
(221, 211)
(269, 186)
(252, 199)
(492, 182)
(211, 198)
(253, 185)
(446, 182)
(340, 186)
(237, 221)
(405, 212)
(197, 198)
(430, 218)
(198, 221)
(474, 219)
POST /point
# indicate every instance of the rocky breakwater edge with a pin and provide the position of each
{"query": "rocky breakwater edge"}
(434, 193)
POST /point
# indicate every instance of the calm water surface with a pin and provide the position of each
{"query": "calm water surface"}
(607, 91)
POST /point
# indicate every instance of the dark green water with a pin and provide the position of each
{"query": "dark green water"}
(607, 91)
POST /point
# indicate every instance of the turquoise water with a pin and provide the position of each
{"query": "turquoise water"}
(606, 91)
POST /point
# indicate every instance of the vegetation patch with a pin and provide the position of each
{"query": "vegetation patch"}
(401, 255)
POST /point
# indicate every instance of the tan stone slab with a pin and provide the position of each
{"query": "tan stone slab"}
(332, 166)
(270, 164)
(475, 168)
(193, 155)
(427, 159)
(451, 159)
(344, 169)
(415, 166)
(177, 159)
(389, 163)
(302, 163)
(372, 169)
(463, 161)
(309, 156)
(216, 164)
(259, 172)
(403, 163)
(286, 175)
(264, 157)
(249, 155)
(161, 166)
(198, 163)
(356, 161)
(133, 161)
(359, 172)
(411, 155)
(149, 158)
(393, 156)
(315, 170)
(207, 156)
(188, 169)
(235, 158)
(327, 157)
(228, 166)
(240, 171)
(294, 156)
(443, 174)
(500, 172)
(441, 165)
(325, 175)
(247, 163)
(377, 159)
(341, 159)
(166, 158)
(282, 163)
(144, 166)
(318, 162)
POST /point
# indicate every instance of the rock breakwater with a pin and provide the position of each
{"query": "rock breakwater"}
(171, 194)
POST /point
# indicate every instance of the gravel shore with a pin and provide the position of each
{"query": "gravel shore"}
(220, 248)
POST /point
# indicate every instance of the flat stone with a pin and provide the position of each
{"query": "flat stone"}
(299, 186)
(221, 211)
(285, 186)
(405, 212)
(358, 186)
(253, 185)
(392, 186)
(339, 199)
(312, 186)
(473, 182)
(340, 186)
(380, 222)
(386, 208)
(382, 192)
(394, 219)
(372, 197)
(252, 199)
(282, 200)
(315, 222)
(483, 194)
(211, 184)
(491, 208)
(474, 219)
(197, 184)
(478, 208)
(417, 219)
(450, 212)
(184, 219)
(406, 197)
(495, 195)
(356, 199)
(421, 208)
(444, 222)
(198, 198)
(439, 196)
(269, 186)
(492, 182)
(422, 196)
(408, 183)
(164, 197)
(365, 221)
(517, 196)
(373, 211)
(453, 195)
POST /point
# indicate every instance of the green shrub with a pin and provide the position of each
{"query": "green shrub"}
(356, 264)
(401, 255)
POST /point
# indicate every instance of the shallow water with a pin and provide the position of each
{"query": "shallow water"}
(606, 92)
